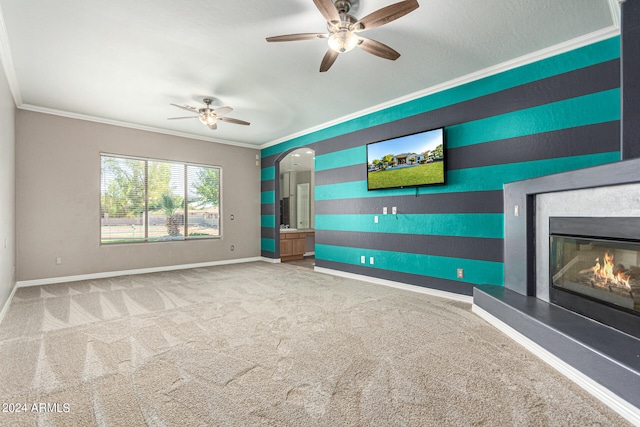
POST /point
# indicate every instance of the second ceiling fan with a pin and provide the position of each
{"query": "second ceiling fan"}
(344, 28)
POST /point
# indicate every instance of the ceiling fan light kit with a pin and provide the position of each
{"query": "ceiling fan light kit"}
(209, 117)
(343, 29)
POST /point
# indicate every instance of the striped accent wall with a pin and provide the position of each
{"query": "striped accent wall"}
(554, 115)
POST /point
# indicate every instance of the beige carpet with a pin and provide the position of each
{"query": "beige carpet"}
(262, 344)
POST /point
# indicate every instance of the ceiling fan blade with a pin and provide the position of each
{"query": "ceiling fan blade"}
(213, 126)
(296, 37)
(386, 15)
(178, 118)
(186, 107)
(328, 60)
(328, 10)
(378, 49)
(234, 121)
(222, 111)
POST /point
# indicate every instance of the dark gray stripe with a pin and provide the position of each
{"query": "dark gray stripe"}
(267, 232)
(477, 248)
(345, 174)
(268, 185)
(471, 202)
(453, 286)
(591, 139)
(268, 254)
(268, 209)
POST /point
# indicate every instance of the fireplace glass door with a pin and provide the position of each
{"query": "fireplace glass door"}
(602, 270)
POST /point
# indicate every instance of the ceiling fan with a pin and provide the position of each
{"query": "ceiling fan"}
(343, 29)
(209, 116)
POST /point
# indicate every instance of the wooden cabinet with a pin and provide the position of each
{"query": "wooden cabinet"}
(293, 244)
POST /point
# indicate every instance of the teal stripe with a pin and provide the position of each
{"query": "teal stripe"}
(267, 221)
(475, 272)
(584, 110)
(268, 245)
(473, 179)
(342, 158)
(467, 225)
(267, 174)
(579, 58)
(268, 197)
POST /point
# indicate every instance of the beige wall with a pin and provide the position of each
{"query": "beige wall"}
(7, 190)
(58, 200)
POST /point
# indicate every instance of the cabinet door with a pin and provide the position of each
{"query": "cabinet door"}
(286, 247)
(298, 246)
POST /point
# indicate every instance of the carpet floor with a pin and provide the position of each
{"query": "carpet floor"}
(264, 344)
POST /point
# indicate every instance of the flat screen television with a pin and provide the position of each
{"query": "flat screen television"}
(413, 160)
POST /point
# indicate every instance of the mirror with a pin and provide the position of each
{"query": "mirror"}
(296, 189)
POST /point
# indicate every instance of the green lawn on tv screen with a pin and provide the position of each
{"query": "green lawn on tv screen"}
(429, 173)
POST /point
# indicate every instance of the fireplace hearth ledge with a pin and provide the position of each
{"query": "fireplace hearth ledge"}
(600, 359)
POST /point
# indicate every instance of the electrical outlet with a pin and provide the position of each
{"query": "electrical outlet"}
(362, 259)
(394, 210)
(460, 273)
(375, 219)
(58, 261)
(371, 260)
(384, 210)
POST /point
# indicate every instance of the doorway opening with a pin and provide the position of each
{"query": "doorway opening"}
(295, 234)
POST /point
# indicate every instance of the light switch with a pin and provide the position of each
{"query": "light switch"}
(375, 219)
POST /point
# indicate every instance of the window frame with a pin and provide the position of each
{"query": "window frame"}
(185, 205)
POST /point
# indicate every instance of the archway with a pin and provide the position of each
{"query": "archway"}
(294, 190)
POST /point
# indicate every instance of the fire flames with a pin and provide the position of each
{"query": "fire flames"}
(608, 273)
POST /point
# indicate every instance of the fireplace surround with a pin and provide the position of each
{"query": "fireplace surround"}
(604, 360)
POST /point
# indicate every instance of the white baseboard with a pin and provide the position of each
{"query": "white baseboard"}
(271, 260)
(398, 285)
(92, 276)
(615, 402)
(7, 303)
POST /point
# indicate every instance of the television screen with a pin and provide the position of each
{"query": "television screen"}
(407, 161)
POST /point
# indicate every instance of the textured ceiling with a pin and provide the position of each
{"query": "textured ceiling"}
(125, 61)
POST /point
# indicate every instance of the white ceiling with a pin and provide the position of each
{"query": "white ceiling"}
(123, 61)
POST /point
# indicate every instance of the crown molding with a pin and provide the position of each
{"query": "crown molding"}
(614, 5)
(37, 109)
(585, 40)
(7, 62)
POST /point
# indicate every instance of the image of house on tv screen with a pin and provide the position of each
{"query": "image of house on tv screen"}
(407, 161)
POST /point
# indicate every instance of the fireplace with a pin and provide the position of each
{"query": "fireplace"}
(594, 266)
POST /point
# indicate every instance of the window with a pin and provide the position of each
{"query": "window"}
(145, 200)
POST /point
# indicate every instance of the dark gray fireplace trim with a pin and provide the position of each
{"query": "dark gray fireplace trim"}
(630, 84)
(605, 355)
